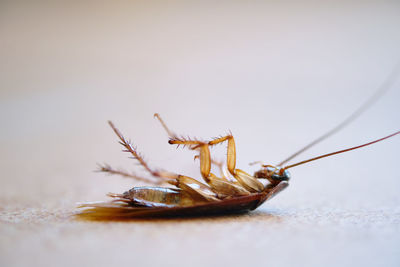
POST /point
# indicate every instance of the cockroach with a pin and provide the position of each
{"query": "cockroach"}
(235, 192)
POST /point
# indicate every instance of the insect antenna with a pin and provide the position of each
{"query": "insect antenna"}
(385, 86)
(338, 152)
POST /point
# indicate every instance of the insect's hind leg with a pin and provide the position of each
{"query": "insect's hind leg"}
(109, 170)
(161, 174)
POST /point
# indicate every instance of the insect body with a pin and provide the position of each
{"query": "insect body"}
(236, 192)
(239, 192)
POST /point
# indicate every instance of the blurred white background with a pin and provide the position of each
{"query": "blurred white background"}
(278, 75)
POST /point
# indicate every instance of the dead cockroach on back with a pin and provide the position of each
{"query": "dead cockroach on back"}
(236, 192)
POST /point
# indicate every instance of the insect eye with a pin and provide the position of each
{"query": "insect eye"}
(284, 176)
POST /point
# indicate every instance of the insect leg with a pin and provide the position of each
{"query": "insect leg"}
(221, 186)
(218, 184)
(131, 149)
(194, 188)
(220, 166)
(170, 134)
(246, 180)
(108, 169)
(179, 140)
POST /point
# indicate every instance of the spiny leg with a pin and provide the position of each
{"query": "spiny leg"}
(179, 140)
(188, 185)
(194, 144)
(109, 170)
(169, 132)
(205, 158)
(129, 148)
(221, 186)
(249, 182)
(218, 184)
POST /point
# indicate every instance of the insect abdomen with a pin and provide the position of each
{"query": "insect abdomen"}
(159, 197)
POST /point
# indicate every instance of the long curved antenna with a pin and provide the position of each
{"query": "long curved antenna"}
(386, 85)
(338, 152)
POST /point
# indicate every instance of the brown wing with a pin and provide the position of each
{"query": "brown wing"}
(110, 211)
